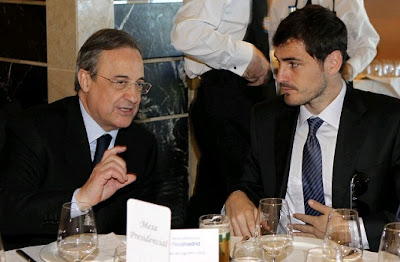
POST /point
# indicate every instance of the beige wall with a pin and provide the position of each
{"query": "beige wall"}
(385, 16)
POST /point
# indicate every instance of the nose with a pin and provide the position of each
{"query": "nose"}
(281, 76)
(133, 95)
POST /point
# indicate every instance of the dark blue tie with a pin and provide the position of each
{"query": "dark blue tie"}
(102, 144)
(313, 187)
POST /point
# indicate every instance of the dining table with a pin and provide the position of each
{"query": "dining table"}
(108, 242)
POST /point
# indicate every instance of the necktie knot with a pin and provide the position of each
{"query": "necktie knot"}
(314, 124)
(102, 144)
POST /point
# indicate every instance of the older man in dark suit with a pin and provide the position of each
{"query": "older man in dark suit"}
(50, 154)
(358, 132)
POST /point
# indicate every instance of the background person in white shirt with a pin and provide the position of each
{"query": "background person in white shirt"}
(225, 44)
(361, 36)
(360, 133)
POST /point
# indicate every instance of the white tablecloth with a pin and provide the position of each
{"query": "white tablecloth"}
(297, 253)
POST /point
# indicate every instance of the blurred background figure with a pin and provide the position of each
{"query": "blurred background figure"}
(225, 44)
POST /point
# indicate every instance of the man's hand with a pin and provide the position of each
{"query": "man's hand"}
(258, 71)
(107, 177)
(242, 213)
(315, 225)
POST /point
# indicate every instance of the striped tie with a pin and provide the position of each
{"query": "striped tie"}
(313, 187)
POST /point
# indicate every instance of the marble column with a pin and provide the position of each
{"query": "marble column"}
(69, 24)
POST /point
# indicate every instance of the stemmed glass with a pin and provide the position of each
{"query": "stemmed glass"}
(343, 234)
(2, 253)
(389, 248)
(77, 234)
(274, 227)
(247, 251)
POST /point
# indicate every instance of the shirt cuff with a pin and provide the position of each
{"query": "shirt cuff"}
(241, 59)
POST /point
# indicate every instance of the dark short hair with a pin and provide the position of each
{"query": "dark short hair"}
(321, 31)
(104, 39)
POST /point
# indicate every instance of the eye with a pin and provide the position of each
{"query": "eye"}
(121, 84)
(293, 64)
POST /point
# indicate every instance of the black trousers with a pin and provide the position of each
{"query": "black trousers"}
(220, 117)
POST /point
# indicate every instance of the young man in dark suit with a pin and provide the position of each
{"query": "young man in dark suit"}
(49, 154)
(359, 133)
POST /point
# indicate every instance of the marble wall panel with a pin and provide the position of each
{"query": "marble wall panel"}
(168, 95)
(24, 85)
(171, 182)
(23, 32)
(150, 25)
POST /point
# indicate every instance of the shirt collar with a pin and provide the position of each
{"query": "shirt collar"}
(93, 130)
(331, 114)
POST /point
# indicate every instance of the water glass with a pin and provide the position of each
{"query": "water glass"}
(247, 251)
(77, 234)
(120, 253)
(274, 231)
(221, 222)
(389, 248)
(343, 234)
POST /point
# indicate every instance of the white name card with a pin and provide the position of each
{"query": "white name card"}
(194, 245)
(147, 232)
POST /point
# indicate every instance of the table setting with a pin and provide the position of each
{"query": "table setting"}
(274, 240)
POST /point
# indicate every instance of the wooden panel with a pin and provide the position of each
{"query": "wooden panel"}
(385, 16)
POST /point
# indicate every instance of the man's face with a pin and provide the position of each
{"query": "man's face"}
(302, 78)
(109, 107)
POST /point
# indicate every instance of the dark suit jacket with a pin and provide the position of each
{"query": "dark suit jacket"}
(368, 141)
(46, 157)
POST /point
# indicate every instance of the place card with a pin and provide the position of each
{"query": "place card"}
(147, 232)
(194, 245)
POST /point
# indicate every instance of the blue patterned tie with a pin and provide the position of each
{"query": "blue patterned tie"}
(313, 187)
(102, 144)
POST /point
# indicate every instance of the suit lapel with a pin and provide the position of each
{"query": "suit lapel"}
(285, 127)
(351, 135)
(76, 141)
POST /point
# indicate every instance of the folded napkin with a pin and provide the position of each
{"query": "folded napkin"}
(106, 248)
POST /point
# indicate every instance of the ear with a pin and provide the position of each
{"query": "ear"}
(333, 62)
(84, 80)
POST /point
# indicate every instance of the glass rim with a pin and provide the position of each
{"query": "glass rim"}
(343, 212)
(277, 199)
(393, 226)
(224, 219)
(81, 206)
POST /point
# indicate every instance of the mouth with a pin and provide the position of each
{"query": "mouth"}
(125, 110)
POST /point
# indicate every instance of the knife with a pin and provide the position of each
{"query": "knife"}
(25, 255)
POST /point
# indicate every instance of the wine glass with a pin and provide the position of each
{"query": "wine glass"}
(274, 227)
(343, 234)
(77, 234)
(2, 252)
(247, 251)
(389, 248)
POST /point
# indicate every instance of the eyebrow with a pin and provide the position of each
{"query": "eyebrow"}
(126, 77)
(291, 59)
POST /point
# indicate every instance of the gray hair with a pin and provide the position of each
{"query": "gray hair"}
(104, 39)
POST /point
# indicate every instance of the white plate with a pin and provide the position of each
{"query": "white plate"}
(297, 252)
(107, 245)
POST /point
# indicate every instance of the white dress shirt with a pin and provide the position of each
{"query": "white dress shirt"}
(210, 33)
(93, 131)
(327, 135)
(362, 37)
